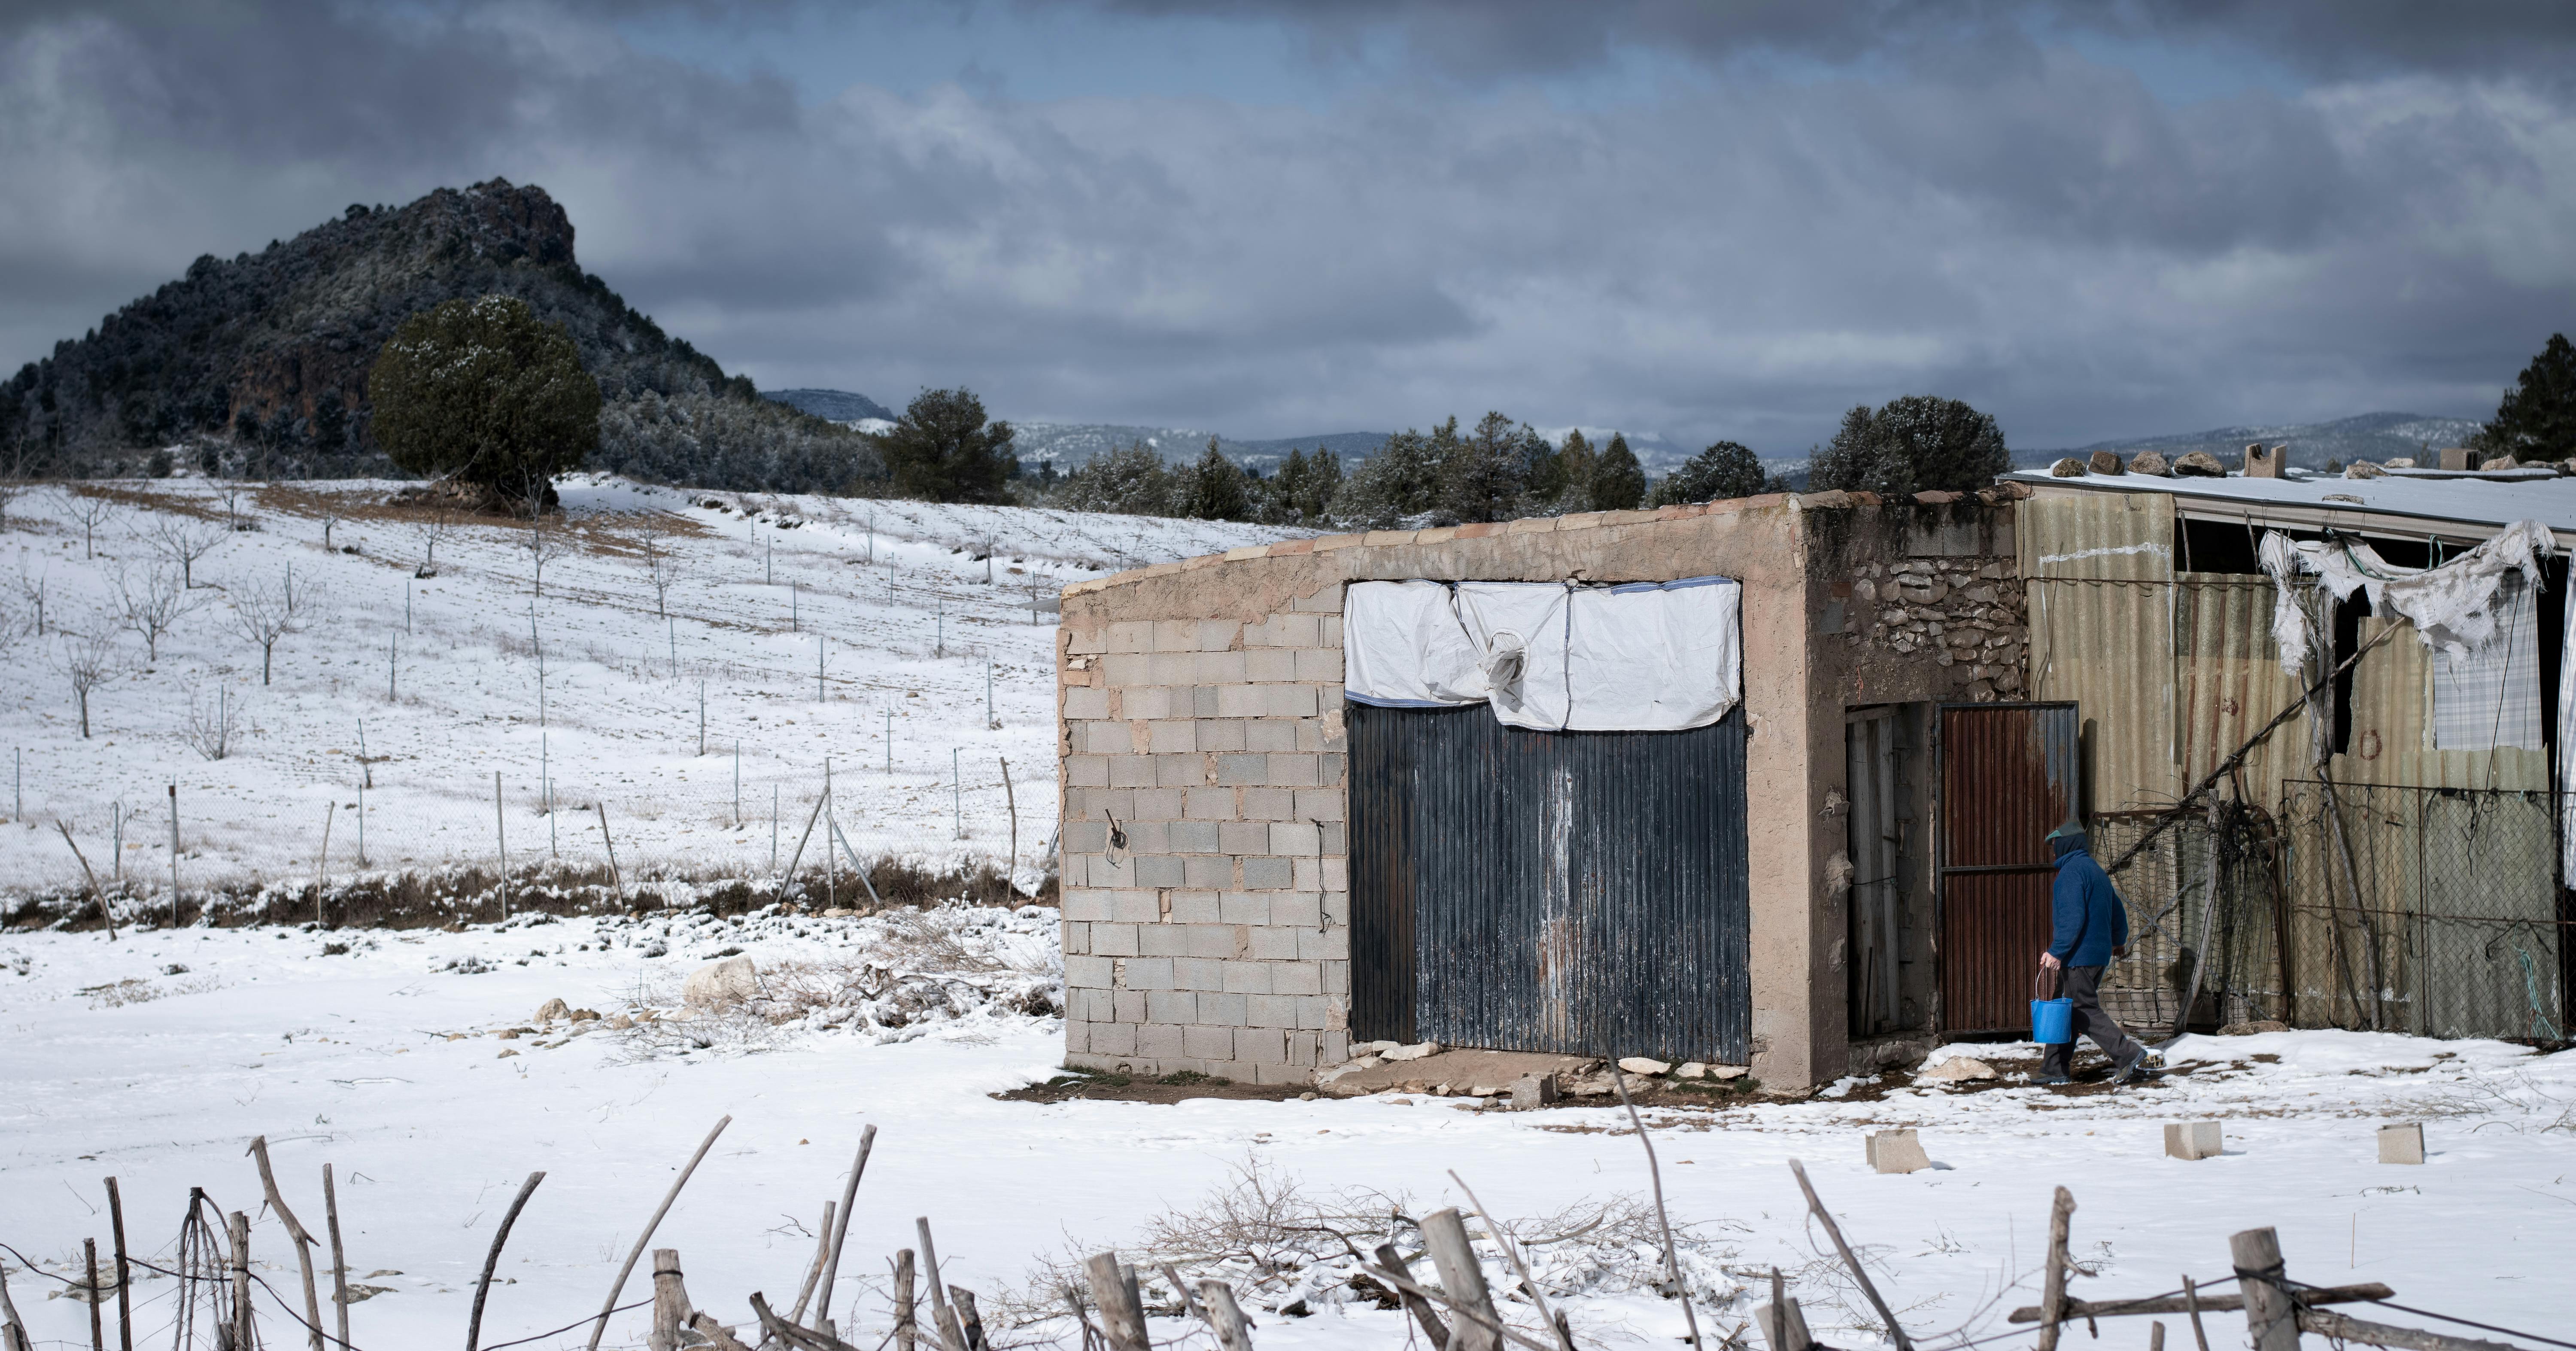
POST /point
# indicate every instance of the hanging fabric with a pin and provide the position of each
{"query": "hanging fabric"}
(1652, 656)
(2449, 605)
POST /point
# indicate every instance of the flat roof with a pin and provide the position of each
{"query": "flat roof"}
(2464, 507)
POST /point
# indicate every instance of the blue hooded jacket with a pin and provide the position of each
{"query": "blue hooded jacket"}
(2087, 917)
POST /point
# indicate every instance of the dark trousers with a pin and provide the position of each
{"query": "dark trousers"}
(2083, 985)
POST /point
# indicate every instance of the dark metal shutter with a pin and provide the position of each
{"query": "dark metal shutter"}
(1574, 892)
(2008, 777)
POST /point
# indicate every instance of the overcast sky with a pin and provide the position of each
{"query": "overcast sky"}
(1697, 219)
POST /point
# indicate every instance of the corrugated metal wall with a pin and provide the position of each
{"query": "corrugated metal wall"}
(2229, 683)
(1575, 892)
(2008, 776)
(2099, 572)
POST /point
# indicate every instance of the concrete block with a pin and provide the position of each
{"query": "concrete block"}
(1297, 978)
(2402, 1144)
(1223, 734)
(1267, 944)
(1270, 1010)
(1175, 1008)
(1327, 601)
(1135, 907)
(1298, 630)
(1076, 937)
(1213, 942)
(1144, 701)
(1221, 1010)
(1128, 635)
(1323, 945)
(1896, 1152)
(1209, 1043)
(1193, 907)
(1174, 737)
(1200, 974)
(1103, 738)
(1092, 973)
(1158, 1039)
(1259, 1045)
(1212, 804)
(1533, 1090)
(2193, 1140)
(1218, 668)
(1180, 771)
(1302, 1048)
(1243, 978)
(1269, 804)
(1270, 664)
(1126, 1006)
(1163, 940)
(1268, 874)
(1242, 769)
(1243, 907)
(1319, 665)
(1212, 871)
(1243, 837)
(1297, 910)
(1187, 837)
(1149, 837)
(1159, 870)
(1149, 973)
(1082, 903)
(1128, 671)
(1154, 804)
(1114, 940)
(1113, 1038)
(1086, 771)
(1272, 734)
(1129, 771)
(1297, 839)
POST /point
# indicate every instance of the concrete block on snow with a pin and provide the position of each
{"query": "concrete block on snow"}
(2402, 1144)
(1896, 1152)
(2193, 1140)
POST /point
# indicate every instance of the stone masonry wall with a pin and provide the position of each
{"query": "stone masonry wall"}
(1206, 901)
(1963, 611)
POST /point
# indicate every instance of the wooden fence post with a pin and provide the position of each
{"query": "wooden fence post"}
(339, 1258)
(2271, 1318)
(124, 1307)
(670, 1301)
(1122, 1310)
(2052, 1280)
(1473, 1324)
(237, 1228)
(1233, 1331)
(903, 1315)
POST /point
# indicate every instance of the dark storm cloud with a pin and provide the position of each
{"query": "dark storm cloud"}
(1958, 201)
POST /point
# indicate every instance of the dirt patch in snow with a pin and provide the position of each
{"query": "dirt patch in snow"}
(1077, 1085)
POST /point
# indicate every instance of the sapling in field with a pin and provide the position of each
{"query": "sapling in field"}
(153, 604)
(87, 661)
(431, 525)
(181, 540)
(265, 614)
(92, 512)
(662, 567)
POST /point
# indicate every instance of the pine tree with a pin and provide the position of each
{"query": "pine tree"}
(1214, 489)
(1618, 481)
(1724, 470)
(942, 449)
(2536, 420)
(1914, 444)
(1575, 463)
(484, 392)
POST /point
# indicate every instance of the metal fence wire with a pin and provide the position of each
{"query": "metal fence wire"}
(2433, 911)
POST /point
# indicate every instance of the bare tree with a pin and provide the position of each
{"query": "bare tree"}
(545, 543)
(92, 512)
(662, 567)
(88, 660)
(211, 725)
(433, 524)
(232, 493)
(332, 511)
(266, 614)
(153, 606)
(33, 588)
(182, 540)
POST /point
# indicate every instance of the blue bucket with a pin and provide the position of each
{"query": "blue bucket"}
(2052, 1021)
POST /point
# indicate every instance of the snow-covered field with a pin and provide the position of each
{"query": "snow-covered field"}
(442, 676)
(383, 1061)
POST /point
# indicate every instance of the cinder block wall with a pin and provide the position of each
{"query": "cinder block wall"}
(1216, 936)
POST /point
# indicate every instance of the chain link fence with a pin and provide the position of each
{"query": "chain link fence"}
(2433, 911)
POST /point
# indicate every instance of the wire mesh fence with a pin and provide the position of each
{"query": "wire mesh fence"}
(821, 833)
(2433, 911)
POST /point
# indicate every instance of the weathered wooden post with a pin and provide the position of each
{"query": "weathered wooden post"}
(903, 1318)
(124, 1307)
(2271, 1317)
(237, 1228)
(1473, 1324)
(1233, 1330)
(670, 1301)
(2052, 1281)
(1122, 1310)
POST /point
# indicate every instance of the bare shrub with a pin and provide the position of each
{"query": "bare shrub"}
(91, 511)
(152, 605)
(211, 724)
(86, 662)
(266, 614)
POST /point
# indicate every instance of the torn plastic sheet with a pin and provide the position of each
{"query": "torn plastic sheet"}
(2451, 606)
(1653, 656)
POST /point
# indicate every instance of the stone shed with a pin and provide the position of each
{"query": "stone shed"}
(1259, 871)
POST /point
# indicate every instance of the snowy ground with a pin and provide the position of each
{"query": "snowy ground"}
(356, 1060)
(443, 676)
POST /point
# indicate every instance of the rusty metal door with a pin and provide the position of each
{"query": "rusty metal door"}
(1574, 892)
(2008, 777)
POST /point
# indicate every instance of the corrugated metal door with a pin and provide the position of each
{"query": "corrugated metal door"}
(1575, 892)
(2008, 777)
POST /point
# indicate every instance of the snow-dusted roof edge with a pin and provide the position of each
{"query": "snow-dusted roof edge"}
(2457, 507)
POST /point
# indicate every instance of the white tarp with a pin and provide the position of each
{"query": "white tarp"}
(2449, 605)
(1654, 656)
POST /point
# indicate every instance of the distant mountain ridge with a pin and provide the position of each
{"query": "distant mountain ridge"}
(2368, 436)
(837, 405)
(258, 364)
(1070, 444)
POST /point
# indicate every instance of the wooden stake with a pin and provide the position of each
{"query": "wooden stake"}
(2271, 1317)
(799, 856)
(95, 894)
(1564, 1339)
(501, 841)
(2155, 1337)
(715, 1333)
(1895, 1330)
(670, 1302)
(1122, 1311)
(320, 859)
(1011, 800)
(124, 1307)
(611, 846)
(16, 1332)
(903, 1320)
(237, 1228)
(944, 1319)
(89, 1254)
(2346, 1329)
(969, 1322)
(1474, 1324)
(474, 1323)
(2191, 1306)
(1433, 1330)
(2052, 1278)
(814, 1273)
(609, 1306)
(1233, 1330)
(1672, 1258)
(295, 1231)
(841, 1230)
(339, 1258)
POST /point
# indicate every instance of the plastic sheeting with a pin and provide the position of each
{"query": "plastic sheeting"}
(2450, 606)
(1648, 657)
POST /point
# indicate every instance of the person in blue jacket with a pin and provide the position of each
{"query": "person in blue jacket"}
(2089, 925)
